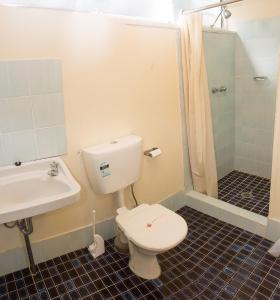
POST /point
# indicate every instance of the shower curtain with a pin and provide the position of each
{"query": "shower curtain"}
(198, 109)
(275, 176)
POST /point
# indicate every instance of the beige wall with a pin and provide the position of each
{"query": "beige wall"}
(118, 79)
(253, 9)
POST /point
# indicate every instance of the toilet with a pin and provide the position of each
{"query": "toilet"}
(150, 230)
(146, 230)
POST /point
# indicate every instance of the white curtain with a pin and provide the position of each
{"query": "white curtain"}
(274, 206)
(198, 109)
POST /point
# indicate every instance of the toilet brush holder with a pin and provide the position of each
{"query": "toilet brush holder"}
(97, 248)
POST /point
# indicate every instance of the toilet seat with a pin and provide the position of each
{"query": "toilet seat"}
(153, 227)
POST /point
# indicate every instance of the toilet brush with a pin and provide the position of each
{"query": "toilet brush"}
(275, 249)
(97, 248)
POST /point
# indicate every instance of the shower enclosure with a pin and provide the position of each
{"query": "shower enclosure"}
(242, 77)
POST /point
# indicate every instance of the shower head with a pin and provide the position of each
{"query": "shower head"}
(224, 14)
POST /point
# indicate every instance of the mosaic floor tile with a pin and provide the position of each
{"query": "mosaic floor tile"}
(215, 261)
(246, 191)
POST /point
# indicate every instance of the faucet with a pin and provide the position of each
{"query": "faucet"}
(219, 90)
(54, 169)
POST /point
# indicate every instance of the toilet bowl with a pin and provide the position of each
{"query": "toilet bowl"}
(150, 230)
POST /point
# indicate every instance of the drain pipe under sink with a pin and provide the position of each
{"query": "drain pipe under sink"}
(25, 226)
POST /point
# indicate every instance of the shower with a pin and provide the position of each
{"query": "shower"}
(224, 14)
(243, 109)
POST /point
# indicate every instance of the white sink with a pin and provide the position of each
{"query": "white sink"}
(28, 190)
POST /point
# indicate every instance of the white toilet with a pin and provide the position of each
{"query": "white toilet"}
(148, 229)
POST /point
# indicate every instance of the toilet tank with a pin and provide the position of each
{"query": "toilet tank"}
(114, 165)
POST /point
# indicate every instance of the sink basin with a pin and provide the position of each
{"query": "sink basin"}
(28, 190)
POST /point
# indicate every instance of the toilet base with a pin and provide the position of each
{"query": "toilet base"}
(121, 247)
(121, 243)
(144, 265)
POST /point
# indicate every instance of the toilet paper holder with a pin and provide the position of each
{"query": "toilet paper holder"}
(153, 152)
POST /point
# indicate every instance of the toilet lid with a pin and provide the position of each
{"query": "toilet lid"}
(153, 227)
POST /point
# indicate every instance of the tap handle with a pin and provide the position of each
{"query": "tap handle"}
(215, 90)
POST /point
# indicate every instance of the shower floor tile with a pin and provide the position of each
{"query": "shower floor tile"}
(215, 261)
(246, 191)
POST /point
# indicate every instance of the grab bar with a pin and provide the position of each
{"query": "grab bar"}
(260, 78)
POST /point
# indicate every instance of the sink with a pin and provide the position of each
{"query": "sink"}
(28, 190)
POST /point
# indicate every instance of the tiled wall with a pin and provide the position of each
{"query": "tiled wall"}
(219, 51)
(31, 110)
(257, 48)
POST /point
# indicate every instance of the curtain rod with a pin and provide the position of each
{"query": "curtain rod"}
(186, 11)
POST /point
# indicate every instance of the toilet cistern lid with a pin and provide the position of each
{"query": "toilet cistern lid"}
(153, 227)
